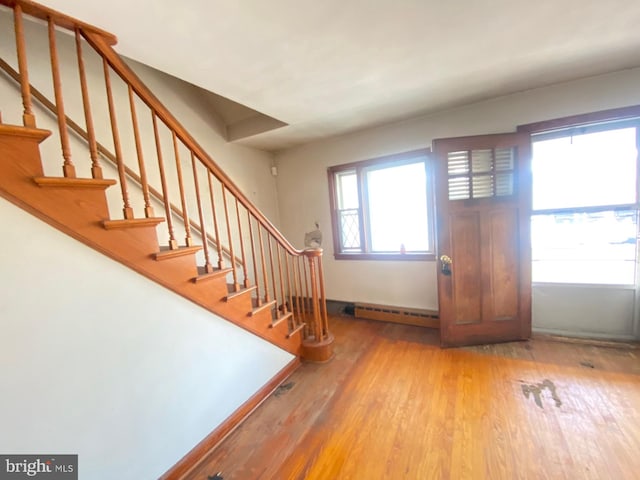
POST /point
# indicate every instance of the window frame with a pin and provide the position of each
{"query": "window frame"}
(578, 124)
(360, 168)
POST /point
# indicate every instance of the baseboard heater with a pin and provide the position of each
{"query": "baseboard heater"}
(407, 316)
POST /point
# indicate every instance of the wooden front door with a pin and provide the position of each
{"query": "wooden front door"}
(483, 201)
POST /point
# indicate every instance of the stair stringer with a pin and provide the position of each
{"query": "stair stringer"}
(80, 213)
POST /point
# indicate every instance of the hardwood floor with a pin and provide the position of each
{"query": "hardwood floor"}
(393, 405)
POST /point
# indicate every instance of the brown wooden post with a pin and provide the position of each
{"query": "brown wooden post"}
(215, 221)
(183, 201)
(236, 285)
(318, 345)
(306, 299)
(243, 255)
(208, 268)
(173, 245)
(96, 169)
(264, 266)
(285, 308)
(289, 284)
(28, 118)
(316, 322)
(148, 209)
(323, 298)
(253, 258)
(126, 209)
(273, 269)
(68, 168)
(298, 288)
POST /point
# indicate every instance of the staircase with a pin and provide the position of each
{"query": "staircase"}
(184, 223)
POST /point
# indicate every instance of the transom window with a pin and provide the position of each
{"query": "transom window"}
(480, 173)
(382, 208)
(585, 204)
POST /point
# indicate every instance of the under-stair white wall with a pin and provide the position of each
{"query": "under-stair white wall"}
(100, 361)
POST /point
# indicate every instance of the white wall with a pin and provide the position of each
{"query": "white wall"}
(303, 189)
(600, 311)
(249, 168)
(100, 361)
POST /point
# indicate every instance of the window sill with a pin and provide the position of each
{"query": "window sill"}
(600, 286)
(423, 257)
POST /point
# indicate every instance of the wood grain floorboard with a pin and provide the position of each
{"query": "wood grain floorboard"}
(393, 405)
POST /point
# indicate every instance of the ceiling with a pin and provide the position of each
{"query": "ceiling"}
(323, 68)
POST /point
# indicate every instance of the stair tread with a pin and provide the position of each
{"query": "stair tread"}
(280, 319)
(259, 308)
(295, 330)
(98, 183)
(234, 294)
(166, 253)
(132, 223)
(22, 131)
(204, 276)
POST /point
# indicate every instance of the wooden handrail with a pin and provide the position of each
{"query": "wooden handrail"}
(44, 13)
(104, 151)
(130, 77)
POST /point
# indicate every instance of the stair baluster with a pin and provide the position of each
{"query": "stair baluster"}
(246, 282)
(289, 284)
(173, 244)
(96, 168)
(236, 284)
(299, 292)
(215, 222)
(253, 258)
(126, 209)
(183, 201)
(283, 304)
(272, 267)
(263, 262)
(208, 268)
(308, 301)
(297, 311)
(144, 183)
(28, 118)
(68, 168)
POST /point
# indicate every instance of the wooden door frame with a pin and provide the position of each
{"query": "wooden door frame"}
(581, 119)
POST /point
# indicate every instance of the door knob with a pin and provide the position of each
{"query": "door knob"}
(445, 264)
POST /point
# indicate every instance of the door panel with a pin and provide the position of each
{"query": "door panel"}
(504, 265)
(483, 191)
(465, 249)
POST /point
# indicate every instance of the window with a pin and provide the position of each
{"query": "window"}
(382, 208)
(585, 204)
(485, 173)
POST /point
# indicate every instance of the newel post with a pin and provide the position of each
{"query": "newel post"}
(317, 345)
